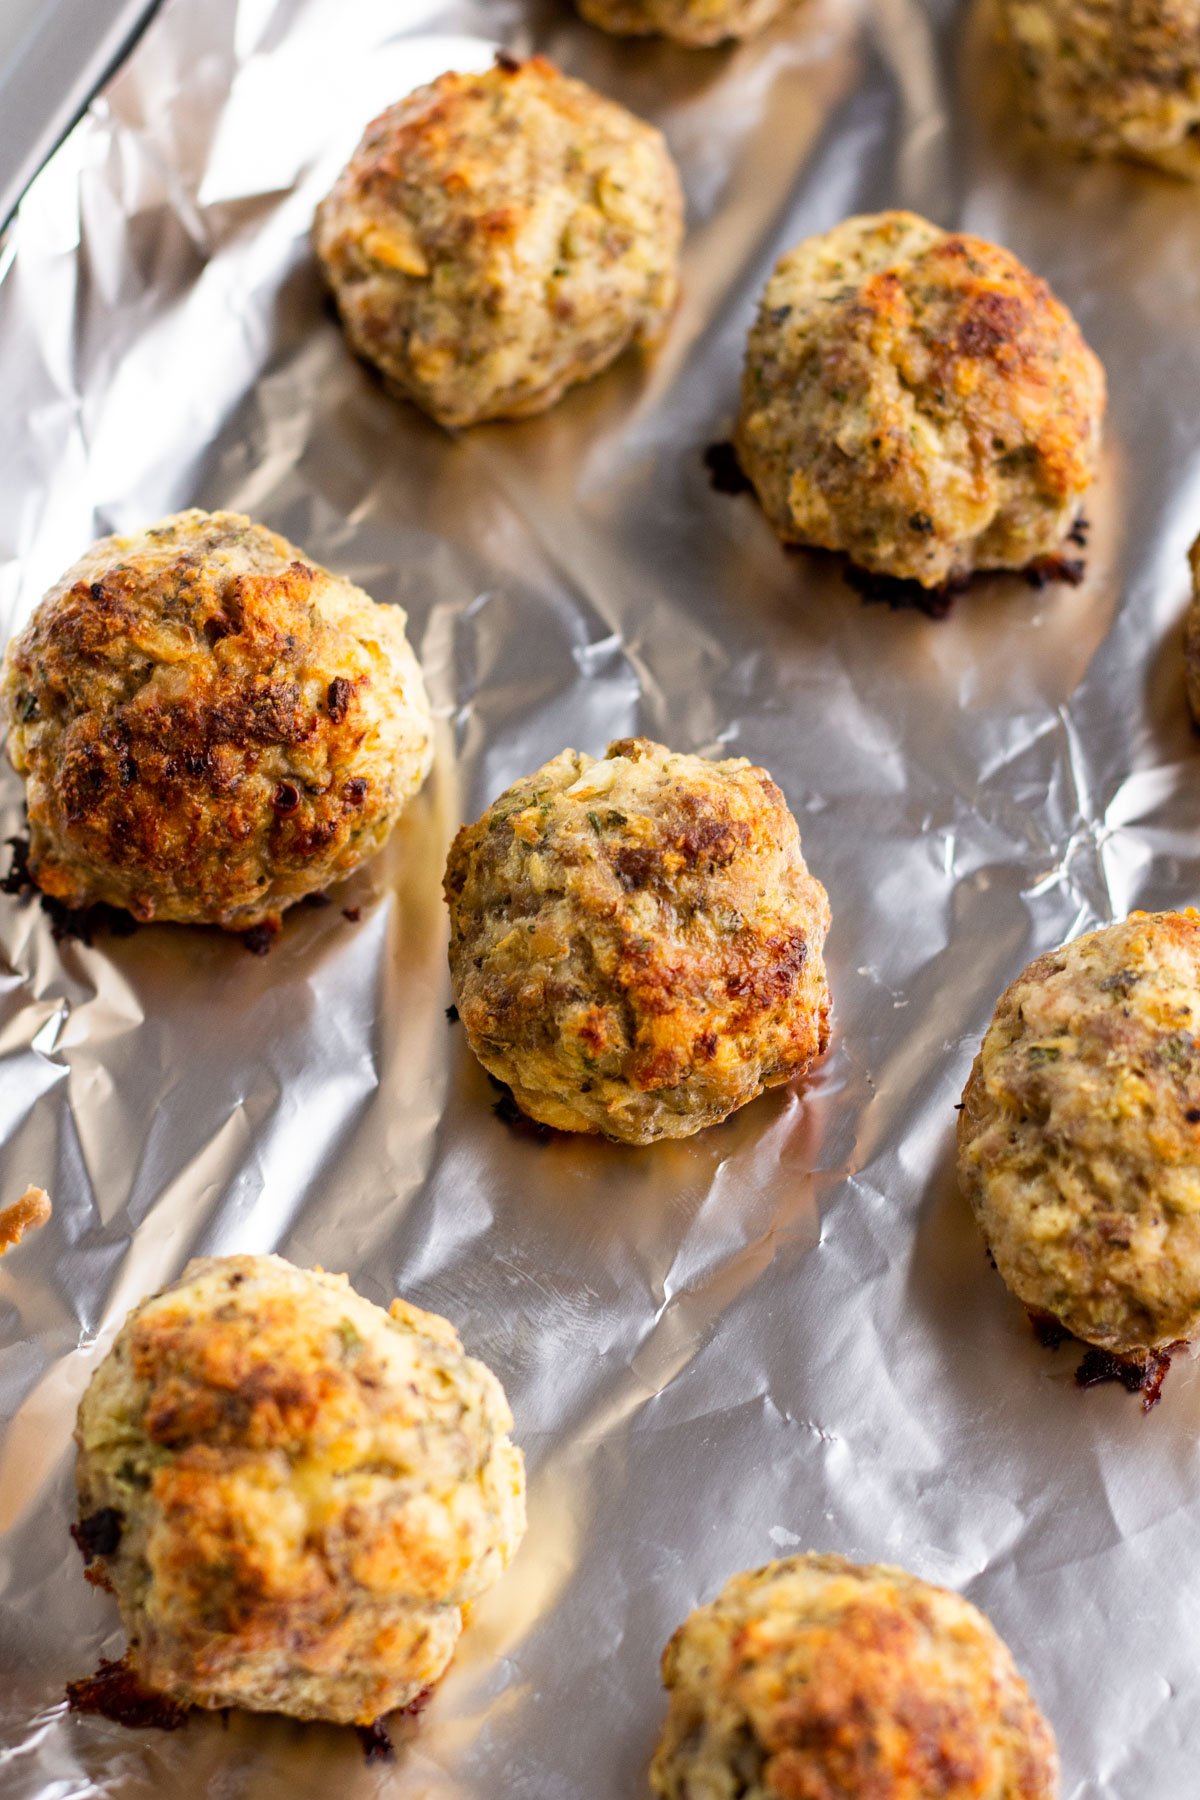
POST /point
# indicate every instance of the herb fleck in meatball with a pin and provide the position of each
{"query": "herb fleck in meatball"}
(687, 21)
(498, 237)
(636, 943)
(817, 1679)
(292, 1493)
(1079, 1137)
(917, 399)
(209, 726)
(1111, 77)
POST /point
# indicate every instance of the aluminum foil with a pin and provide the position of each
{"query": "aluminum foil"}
(784, 1332)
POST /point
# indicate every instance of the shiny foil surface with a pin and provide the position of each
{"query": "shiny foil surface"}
(782, 1333)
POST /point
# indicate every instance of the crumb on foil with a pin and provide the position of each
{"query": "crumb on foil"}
(28, 1213)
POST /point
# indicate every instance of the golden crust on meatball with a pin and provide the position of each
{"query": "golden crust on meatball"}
(497, 237)
(917, 399)
(636, 943)
(1079, 1135)
(1111, 77)
(292, 1493)
(209, 726)
(816, 1678)
(687, 21)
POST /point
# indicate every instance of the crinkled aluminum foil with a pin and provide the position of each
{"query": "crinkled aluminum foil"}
(784, 1332)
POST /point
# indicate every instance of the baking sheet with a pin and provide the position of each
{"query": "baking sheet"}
(782, 1333)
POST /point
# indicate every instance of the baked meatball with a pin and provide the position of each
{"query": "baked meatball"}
(497, 237)
(687, 21)
(636, 943)
(209, 726)
(1111, 77)
(292, 1493)
(1079, 1134)
(816, 1677)
(917, 399)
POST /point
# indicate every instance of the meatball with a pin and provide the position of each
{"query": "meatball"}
(818, 1677)
(292, 1493)
(1079, 1134)
(917, 399)
(209, 726)
(1111, 77)
(687, 21)
(498, 237)
(636, 943)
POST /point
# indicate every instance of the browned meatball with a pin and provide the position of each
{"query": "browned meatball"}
(820, 1679)
(636, 943)
(917, 399)
(292, 1493)
(1111, 77)
(1079, 1135)
(209, 726)
(497, 237)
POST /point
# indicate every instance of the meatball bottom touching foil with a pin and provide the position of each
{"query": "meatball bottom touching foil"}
(816, 1678)
(496, 238)
(1079, 1134)
(916, 399)
(209, 726)
(636, 942)
(697, 22)
(292, 1493)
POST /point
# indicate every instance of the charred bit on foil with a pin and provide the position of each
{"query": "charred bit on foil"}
(1045, 569)
(725, 471)
(1137, 1375)
(259, 938)
(78, 922)
(353, 913)
(376, 1742)
(116, 1692)
(452, 1014)
(902, 595)
(1144, 1376)
(508, 62)
(510, 1114)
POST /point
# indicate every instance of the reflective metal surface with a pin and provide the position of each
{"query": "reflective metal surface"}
(784, 1332)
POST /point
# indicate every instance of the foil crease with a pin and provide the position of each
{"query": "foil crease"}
(782, 1333)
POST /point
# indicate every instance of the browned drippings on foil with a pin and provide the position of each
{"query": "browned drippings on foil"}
(116, 1692)
(1137, 1375)
(1142, 1375)
(66, 922)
